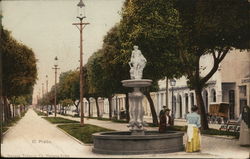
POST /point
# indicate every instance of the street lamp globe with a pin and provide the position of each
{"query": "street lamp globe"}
(56, 61)
(81, 10)
(172, 82)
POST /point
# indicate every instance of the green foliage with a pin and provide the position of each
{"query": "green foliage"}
(82, 133)
(113, 62)
(153, 26)
(106, 119)
(66, 102)
(210, 27)
(69, 85)
(21, 100)
(12, 121)
(219, 132)
(19, 67)
(58, 120)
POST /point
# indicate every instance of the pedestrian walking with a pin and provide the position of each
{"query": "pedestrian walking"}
(193, 131)
(245, 126)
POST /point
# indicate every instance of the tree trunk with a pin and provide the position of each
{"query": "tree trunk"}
(6, 114)
(127, 107)
(8, 110)
(97, 107)
(13, 108)
(89, 107)
(77, 105)
(202, 111)
(152, 108)
(110, 107)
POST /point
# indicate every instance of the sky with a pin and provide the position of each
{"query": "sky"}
(46, 27)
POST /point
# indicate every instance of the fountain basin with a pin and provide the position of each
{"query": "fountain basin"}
(137, 83)
(122, 142)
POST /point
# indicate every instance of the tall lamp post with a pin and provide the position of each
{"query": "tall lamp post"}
(47, 83)
(55, 68)
(42, 90)
(47, 94)
(172, 84)
(167, 92)
(80, 26)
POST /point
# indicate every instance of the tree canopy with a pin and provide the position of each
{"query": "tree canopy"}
(209, 27)
(19, 67)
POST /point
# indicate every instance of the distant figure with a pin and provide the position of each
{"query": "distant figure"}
(245, 126)
(163, 109)
(168, 118)
(193, 131)
(137, 64)
(163, 120)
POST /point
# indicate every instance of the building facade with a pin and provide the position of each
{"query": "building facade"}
(230, 84)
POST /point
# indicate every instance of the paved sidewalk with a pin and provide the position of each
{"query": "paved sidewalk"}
(211, 146)
(33, 136)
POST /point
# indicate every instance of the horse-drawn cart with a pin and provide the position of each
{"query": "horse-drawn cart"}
(218, 112)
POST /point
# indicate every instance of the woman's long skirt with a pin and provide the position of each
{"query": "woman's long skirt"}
(244, 134)
(194, 145)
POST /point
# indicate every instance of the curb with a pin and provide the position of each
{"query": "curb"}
(220, 137)
(56, 125)
(80, 142)
(4, 133)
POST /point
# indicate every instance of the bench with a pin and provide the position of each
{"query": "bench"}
(231, 126)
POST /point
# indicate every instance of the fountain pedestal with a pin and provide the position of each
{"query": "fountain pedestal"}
(136, 111)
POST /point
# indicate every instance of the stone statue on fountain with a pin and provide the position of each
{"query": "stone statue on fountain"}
(137, 64)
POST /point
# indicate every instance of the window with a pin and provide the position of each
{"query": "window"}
(243, 90)
(213, 92)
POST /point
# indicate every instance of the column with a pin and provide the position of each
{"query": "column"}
(189, 102)
(158, 104)
(218, 85)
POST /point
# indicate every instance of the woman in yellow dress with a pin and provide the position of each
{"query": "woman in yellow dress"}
(193, 131)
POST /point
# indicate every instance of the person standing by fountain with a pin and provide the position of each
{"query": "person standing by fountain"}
(163, 120)
(193, 131)
(168, 118)
(245, 126)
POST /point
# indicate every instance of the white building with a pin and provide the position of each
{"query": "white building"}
(230, 84)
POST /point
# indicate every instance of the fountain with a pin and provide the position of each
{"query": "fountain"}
(137, 140)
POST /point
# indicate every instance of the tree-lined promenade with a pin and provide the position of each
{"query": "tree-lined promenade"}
(19, 74)
(173, 36)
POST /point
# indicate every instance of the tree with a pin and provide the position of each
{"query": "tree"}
(95, 78)
(69, 87)
(20, 101)
(65, 104)
(152, 25)
(114, 69)
(86, 87)
(19, 69)
(209, 27)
